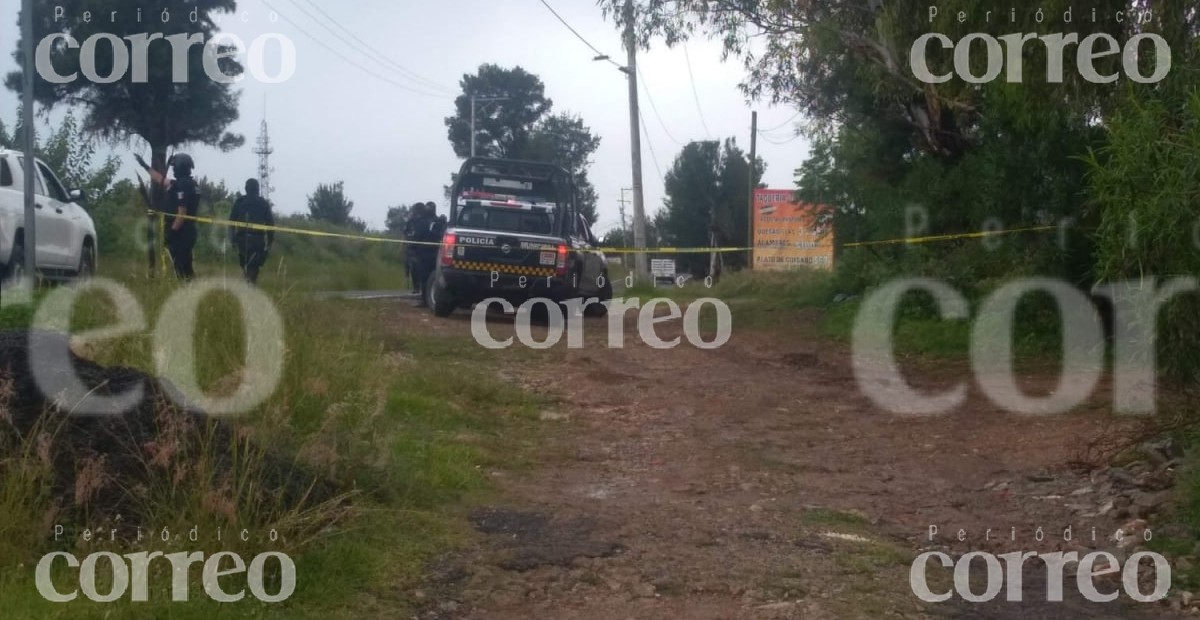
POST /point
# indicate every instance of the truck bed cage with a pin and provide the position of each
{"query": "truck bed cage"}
(548, 182)
(514, 169)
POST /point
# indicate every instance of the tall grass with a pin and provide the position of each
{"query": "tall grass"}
(1145, 182)
(772, 300)
(395, 423)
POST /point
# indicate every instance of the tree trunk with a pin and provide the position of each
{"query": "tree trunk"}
(158, 197)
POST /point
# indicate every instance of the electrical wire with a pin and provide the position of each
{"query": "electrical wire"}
(576, 33)
(641, 116)
(646, 88)
(781, 142)
(695, 95)
(368, 50)
(781, 125)
(650, 145)
(784, 137)
(349, 60)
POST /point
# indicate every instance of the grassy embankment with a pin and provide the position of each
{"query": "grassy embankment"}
(405, 422)
(759, 300)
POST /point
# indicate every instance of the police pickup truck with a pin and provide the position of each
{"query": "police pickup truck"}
(515, 232)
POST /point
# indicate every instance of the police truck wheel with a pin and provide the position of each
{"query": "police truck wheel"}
(605, 295)
(542, 312)
(439, 299)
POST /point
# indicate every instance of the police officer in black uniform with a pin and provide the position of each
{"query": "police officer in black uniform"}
(441, 219)
(182, 199)
(410, 250)
(427, 230)
(252, 244)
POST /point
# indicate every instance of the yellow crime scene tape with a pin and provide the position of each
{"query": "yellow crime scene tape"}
(320, 233)
(664, 250)
(299, 231)
(933, 238)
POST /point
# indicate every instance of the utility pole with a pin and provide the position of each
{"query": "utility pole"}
(635, 138)
(473, 100)
(30, 234)
(624, 229)
(753, 162)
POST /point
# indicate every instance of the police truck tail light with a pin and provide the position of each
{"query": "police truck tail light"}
(448, 248)
(562, 260)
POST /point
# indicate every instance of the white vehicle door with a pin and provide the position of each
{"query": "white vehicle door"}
(68, 236)
(11, 201)
(49, 234)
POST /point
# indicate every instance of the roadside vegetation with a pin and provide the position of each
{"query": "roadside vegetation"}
(394, 441)
(400, 439)
(811, 299)
(1106, 171)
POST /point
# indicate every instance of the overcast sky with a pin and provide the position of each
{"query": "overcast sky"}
(357, 119)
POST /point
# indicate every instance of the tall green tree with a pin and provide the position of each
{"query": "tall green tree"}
(502, 127)
(153, 106)
(691, 187)
(707, 189)
(520, 126)
(328, 203)
(589, 200)
(966, 155)
(565, 140)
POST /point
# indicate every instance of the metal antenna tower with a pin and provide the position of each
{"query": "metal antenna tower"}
(263, 149)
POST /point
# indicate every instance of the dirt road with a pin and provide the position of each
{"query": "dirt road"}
(755, 481)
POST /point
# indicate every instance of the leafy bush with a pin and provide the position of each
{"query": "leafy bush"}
(1146, 185)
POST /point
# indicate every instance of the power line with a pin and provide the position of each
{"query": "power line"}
(369, 50)
(646, 87)
(349, 60)
(781, 142)
(695, 95)
(576, 33)
(785, 136)
(781, 125)
(352, 45)
(650, 145)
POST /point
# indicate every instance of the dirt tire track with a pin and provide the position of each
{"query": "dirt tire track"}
(687, 483)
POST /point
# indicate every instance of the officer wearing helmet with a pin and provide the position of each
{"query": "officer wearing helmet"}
(427, 230)
(415, 217)
(183, 199)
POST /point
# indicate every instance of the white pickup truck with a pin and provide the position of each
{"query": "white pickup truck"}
(66, 235)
